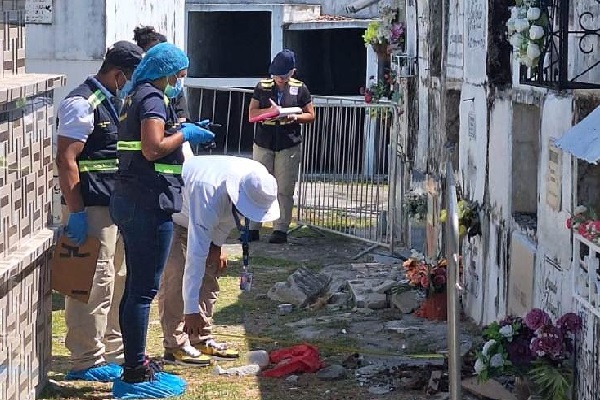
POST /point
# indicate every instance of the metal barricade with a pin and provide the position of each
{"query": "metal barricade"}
(349, 169)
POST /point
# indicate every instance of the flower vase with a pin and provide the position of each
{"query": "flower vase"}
(434, 307)
(382, 50)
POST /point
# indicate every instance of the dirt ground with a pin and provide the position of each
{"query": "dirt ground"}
(249, 321)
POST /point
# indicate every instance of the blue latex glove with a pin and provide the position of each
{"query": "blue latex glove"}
(77, 227)
(204, 123)
(196, 135)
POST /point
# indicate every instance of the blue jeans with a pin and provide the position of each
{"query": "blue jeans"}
(147, 235)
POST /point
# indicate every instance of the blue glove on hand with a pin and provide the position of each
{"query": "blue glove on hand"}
(77, 227)
(204, 123)
(196, 135)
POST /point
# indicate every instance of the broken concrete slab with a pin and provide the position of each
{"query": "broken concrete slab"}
(370, 370)
(407, 301)
(332, 373)
(384, 286)
(490, 389)
(434, 382)
(339, 298)
(301, 288)
(401, 328)
(380, 389)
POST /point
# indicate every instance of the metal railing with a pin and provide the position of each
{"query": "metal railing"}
(453, 284)
(346, 179)
(586, 280)
(348, 173)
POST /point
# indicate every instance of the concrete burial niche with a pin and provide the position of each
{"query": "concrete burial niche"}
(26, 180)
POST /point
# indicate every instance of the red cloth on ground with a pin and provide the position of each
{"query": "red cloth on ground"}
(295, 359)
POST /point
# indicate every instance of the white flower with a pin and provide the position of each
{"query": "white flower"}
(521, 24)
(579, 210)
(534, 13)
(528, 61)
(533, 51)
(510, 25)
(507, 331)
(536, 32)
(486, 347)
(496, 361)
(479, 366)
(514, 12)
(516, 40)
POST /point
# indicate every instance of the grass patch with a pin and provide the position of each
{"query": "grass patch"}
(247, 321)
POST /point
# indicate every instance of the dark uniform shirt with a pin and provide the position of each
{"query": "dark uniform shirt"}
(280, 134)
(144, 181)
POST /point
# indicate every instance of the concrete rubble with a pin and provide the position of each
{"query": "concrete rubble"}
(301, 288)
(370, 304)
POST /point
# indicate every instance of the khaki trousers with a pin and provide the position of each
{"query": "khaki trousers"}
(93, 332)
(170, 299)
(284, 166)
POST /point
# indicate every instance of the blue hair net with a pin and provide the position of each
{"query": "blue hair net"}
(163, 59)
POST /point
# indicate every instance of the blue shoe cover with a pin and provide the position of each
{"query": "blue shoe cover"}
(162, 386)
(99, 373)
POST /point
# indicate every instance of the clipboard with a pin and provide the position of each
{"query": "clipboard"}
(73, 267)
(281, 112)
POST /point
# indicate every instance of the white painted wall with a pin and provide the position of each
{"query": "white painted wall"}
(422, 23)
(77, 33)
(166, 16)
(455, 40)
(75, 43)
(475, 41)
(473, 140)
(554, 240)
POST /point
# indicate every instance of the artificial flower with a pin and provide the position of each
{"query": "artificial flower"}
(510, 25)
(533, 51)
(507, 331)
(517, 40)
(496, 361)
(521, 24)
(479, 366)
(533, 13)
(487, 346)
(536, 318)
(536, 32)
(569, 323)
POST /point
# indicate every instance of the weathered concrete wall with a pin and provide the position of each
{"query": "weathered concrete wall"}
(331, 7)
(553, 285)
(422, 18)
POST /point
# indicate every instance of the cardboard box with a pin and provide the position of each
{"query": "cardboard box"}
(73, 267)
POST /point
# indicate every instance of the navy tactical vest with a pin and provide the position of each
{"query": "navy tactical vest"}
(153, 184)
(279, 134)
(98, 160)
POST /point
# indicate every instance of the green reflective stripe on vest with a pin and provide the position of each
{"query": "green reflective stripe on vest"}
(168, 169)
(129, 146)
(98, 165)
(96, 98)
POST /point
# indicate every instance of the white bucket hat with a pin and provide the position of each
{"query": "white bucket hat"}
(255, 196)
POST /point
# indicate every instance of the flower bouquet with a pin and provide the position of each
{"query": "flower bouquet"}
(468, 218)
(533, 348)
(584, 221)
(527, 31)
(415, 204)
(432, 280)
(385, 34)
